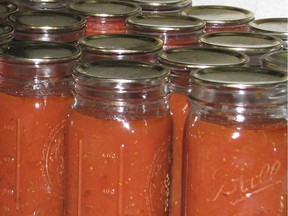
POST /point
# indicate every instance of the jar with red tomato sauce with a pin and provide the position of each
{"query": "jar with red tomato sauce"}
(235, 157)
(104, 16)
(47, 25)
(118, 147)
(276, 61)
(181, 62)
(6, 9)
(56, 5)
(272, 26)
(6, 33)
(161, 6)
(173, 29)
(255, 45)
(35, 95)
(120, 47)
(221, 18)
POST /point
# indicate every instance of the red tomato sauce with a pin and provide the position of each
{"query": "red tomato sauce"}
(179, 106)
(31, 156)
(234, 171)
(117, 167)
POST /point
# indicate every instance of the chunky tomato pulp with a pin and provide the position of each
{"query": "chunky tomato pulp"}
(234, 171)
(31, 155)
(179, 106)
(117, 167)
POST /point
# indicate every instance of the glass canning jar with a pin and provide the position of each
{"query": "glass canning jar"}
(54, 26)
(119, 140)
(161, 6)
(235, 157)
(6, 9)
(6, 33)
(55, 5)
(120, 47)
(221, 18)
(173, 29)
(272, 26)
(276, 61)
(35, 95)
(255, 45)
(181, 62)
(104, 16)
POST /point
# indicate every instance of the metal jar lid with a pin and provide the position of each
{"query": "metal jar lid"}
(162, 4)
(46, 1)
(6, 9)
(219, 14)
(164, 23)
(199, 57)
(240, 86)
(6, 33)
(241, 41)
(38, 52)
(104, 8)
(120, 44)
(276, 61)
(46, 21)
(271, 26)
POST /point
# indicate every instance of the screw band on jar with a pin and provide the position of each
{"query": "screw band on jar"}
(6, 33)
(276, 61)
(6, 9)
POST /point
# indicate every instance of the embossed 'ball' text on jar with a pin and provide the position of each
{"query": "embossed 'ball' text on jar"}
(221, 18)
(35, 95)
(254, 45)
(54, 26)
(181, 62)
(235, 160)
(104, 16)
(173, 29)
(120, 47)
(119, 135)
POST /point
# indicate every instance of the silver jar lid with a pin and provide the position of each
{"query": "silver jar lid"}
(46, 21)
(241, 41)
(164, 23)
(271, 26)
(120, 44)
(276, 61)
(219, 14)
(38, 52)
(104, 8)
(6, 33)
(199, 57)
(6, 9)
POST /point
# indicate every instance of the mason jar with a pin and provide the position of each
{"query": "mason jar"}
(276, 61)
(35, 95)
(6, 9)
(173, 29)
(119, 134)
(54, 26)
(235, 155)
(255, 45)
(221, 18)
(127, 47)
(6, 33)
(56, 5)
(161, 6)
(181, 62)
(272, 26)
(104, 16)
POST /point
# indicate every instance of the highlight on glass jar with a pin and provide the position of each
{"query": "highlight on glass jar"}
(56, 5)
(104, 16)
(181, 62)
(35, 95)
(6, 9)
(54, 26)
(221, 18)
(276, 61)
(272, 26)
(161, 6)
(120, 47)
(118, 148)
(6, 33)
(255, 45)
(235, 160)
(173, 29)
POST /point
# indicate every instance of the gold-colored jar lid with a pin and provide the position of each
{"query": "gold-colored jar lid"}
(276, 61)
(6, 32)
(7, 8)
(219, 14)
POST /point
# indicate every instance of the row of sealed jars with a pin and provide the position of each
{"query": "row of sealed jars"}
(124, 122)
